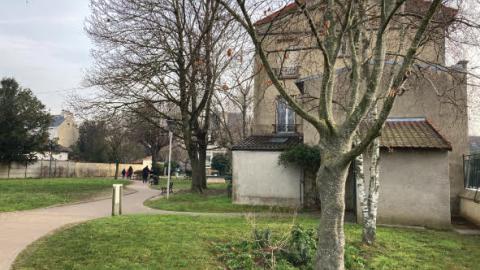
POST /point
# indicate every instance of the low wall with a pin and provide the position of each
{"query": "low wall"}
(45, 168)
(470, 205)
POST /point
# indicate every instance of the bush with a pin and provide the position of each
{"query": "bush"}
(221, 163)
(264, 251)
(267, 251)
(157, 169)
(305, 156)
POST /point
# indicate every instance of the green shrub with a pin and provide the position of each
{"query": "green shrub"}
(301, 247)
(221, 163)
(305, 156)
(353, 258)
(264, 251)
(268, 251)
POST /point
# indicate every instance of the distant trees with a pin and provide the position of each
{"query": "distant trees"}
(106, 141)
(24, 123)
(91, 145)
(148, 132)
(221, 163)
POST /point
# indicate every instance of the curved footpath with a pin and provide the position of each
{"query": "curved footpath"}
(19, 229)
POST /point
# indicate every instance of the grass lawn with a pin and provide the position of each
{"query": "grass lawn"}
(23, 194)
(213, 200)
(185, 242)
(178, 183)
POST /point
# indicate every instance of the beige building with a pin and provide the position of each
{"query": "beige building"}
(421, 162)
(64, 128)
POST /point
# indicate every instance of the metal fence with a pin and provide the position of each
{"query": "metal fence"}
(471, 167)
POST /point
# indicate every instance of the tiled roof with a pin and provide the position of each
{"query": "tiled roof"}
(57, 120)
(412, 133)
(268, 143)
(415, 6)
(407, 133)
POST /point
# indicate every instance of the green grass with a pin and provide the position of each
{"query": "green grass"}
(178, 183)
(186, 242)
(23, 194)
(213, 200)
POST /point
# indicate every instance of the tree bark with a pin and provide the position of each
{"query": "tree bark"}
(331, 180)
(196, 171)
(202, 157)
(370, 225)
(116, 169)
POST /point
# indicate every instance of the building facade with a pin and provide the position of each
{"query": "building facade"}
(430, 118)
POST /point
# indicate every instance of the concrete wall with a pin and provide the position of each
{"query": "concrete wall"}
(414, 188)
(445, 106)
(258, 179)
(41, 169)
(470, 205)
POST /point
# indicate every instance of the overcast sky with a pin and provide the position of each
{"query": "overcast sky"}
(44, 47)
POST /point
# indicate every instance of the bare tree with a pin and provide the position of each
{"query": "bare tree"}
(366, 52)
(168, 54)
(142, 129)
(234, 102)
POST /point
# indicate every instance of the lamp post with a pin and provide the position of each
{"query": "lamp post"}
(170, 127)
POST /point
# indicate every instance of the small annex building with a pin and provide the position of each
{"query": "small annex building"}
(414, 176)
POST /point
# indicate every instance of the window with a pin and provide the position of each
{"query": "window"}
(285, 117)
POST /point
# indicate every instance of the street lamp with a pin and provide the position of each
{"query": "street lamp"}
(170, 127)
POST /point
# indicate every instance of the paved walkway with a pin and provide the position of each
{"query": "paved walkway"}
(19, 229)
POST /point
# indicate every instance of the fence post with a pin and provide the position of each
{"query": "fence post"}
(117, 199)
(26, 167)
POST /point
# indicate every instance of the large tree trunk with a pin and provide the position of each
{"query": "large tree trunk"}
(197, 171)
(370, 225)
(369, 201)
(202, 159)
(117, 165)
(154, 166)
(331, 180)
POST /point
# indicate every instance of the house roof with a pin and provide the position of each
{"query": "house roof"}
(57, 120)
(412, 6)
(268, 143)
(415, 133)
(398, 133)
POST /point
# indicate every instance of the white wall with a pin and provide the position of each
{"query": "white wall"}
(259, 179)
(414, 188)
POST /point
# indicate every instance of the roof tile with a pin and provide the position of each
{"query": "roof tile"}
(413, 133)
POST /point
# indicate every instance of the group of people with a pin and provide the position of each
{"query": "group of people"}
(127, 173)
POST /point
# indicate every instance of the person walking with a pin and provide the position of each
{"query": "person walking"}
(130, 172)
(124, 172)
(145, 173)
